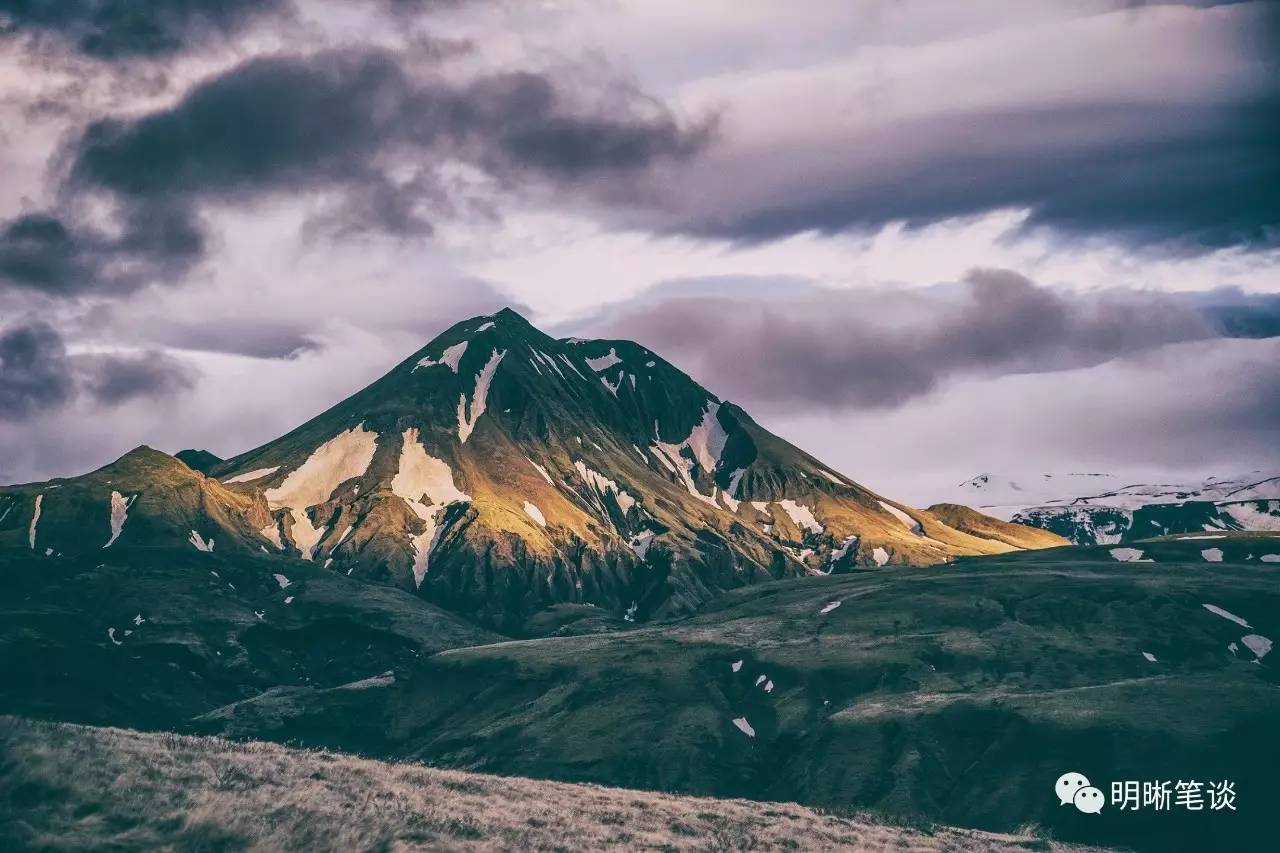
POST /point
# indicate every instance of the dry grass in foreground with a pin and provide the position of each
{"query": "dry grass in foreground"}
(70, 787)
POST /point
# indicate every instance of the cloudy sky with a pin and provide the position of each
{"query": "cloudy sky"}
(921, 239)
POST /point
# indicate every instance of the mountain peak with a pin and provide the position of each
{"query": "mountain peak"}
(144, 461)
(508, 318)
(589, 471)
(501, 328)
(144, 453)
(199, 460)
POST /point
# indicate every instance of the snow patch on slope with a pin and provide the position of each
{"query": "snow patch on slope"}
(604, 362)
(1257, 644)
(735, 480)
(801, 515)
(1218, 611)
(35, 520)
(306, 536)
(838, 554)
(426, 485)
(603, 485)
(640, 543)
(705, 442)
(119, 512)
(682, 468)
(907, 521)
(535, 513)
(250, 476)
(272, 534)
(543, 471)
(707, 439)
(661, 456)
(451, 357)
(479, 398)
(571, 365)
(1260, 515)
(341, 458)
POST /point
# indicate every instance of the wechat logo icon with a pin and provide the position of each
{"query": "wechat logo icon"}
(1074, 789)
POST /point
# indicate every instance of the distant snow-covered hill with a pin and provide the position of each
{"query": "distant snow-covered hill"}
(1102, 509)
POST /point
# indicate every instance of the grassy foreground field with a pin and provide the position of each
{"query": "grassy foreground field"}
(69, 787)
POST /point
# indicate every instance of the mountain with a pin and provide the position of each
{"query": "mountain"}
(198, 460)
(974, 523)
(566, 559)
(1101, 509)
(501, 473)
(145, 498)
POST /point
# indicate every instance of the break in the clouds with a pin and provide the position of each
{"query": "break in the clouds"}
(785, 351)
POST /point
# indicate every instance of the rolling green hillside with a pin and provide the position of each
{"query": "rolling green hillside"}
(955, 693)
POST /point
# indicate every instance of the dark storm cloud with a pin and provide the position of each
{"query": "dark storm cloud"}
(882, 349)
(119, 29)
(1241, 315)
(37, 374)
(1204, 176)
(1110, 138)
(299, 122)
(34, 371)
(354, 126)
(61, 255)
(570, 148)
(38, 250)
(112, 379)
